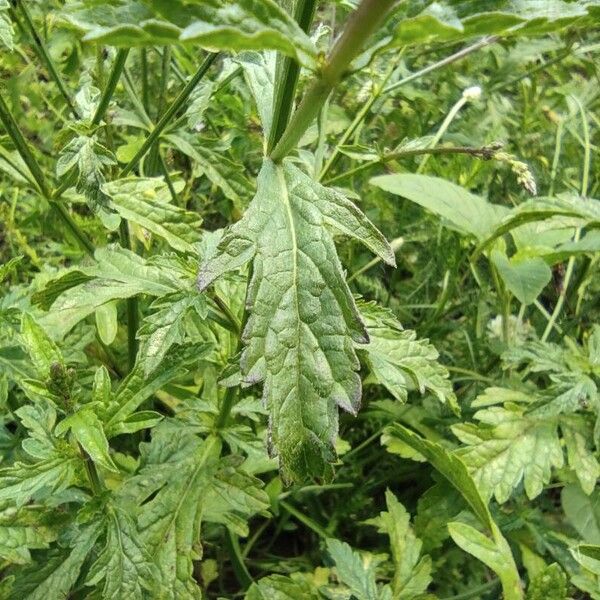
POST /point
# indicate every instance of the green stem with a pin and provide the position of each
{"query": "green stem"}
(360, 26)
(555, 159)
(310, 523)
(396, 244)
(169, 113)
(164, 78)
(442, 130)
(485, 153)
(24, 151)
(482, 43)
(226, 406)
(476, 591)
(504, 298)
(288, 71)
(132, 304)
(227, 312)
(45, 57)
(584, 191)
(91, 471)
(111, 85)
(145, 82)
(541, 67)
(360, 117)
(237, 560)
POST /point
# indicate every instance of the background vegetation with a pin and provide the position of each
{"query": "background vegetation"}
(137, 460)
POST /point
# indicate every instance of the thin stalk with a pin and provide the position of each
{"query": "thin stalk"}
(396, 244)
(111, 85)
(137, 103)
(24, 151)
(288, 71)
(230, 393)
(541, 67)
(504, 298)
(145, 79)
(360, 26)
(164, 78)
(132, 303)
(555, 159)
(587, 151)
(310, 523)
(165, 172)
(91, 471)
(236, 557)
(46, 59)
(482, 43)
(228, 313)
(475, 592)
(485, 153)
(442, 129)
(169, 113)
(226, 406)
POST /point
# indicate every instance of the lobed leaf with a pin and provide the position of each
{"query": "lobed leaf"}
(303, 318)
(147, 202)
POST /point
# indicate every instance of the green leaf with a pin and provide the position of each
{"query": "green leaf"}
(147, 202)
(6, 28)
(143, 419)
(181, 481)
(107, 322)
(124, 564)
(199, 102)
(251, 25)
(582, 213)
(41, 349)
(582, 511)
(412, 573)
(118, 274)
(21, 531)
(87, 158)
(446, 21)
(494, 552)
(87, 429)
(465, 212)
(549, 584)
(9, 266)
(509, 446)
(137, 387)
(101, 390)
(524, 277)
(400, 361)
(165, 327)
(259, 73)
(354, 572)
(484, 549)
(278, 587)
(450, 466)
(576, 434)
(232, 26)
(56, 577)
(41, 479)
(303, 317)
(51, 467)
(216, 167)
(588, 556)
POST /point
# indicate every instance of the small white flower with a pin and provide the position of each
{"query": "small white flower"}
(472, 93)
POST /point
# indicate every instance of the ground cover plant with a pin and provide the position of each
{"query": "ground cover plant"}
(299, 299)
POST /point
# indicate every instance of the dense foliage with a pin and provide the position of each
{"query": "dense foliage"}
(299, 300)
